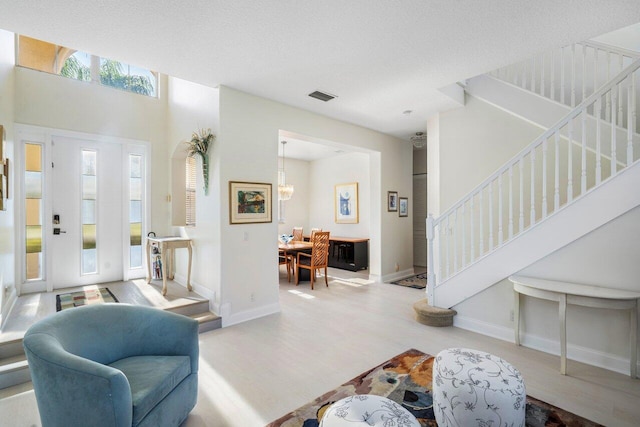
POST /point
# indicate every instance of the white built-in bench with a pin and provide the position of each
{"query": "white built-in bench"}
(585, 295)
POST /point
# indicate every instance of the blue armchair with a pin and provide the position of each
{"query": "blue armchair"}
(114, 365)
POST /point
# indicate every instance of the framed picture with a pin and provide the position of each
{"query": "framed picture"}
(346, 203)
(403, 206)
(392, 201)
(249, 202)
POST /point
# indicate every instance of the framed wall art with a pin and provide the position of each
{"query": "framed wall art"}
(346, 203)
(392, 201)
(403, 206)
(249, 202)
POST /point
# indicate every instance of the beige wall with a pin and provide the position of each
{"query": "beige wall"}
(7, 221)
(249, 131)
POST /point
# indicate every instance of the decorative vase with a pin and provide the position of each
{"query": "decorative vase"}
(205, 172)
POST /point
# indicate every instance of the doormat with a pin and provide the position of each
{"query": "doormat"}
(406, 379)
(419, 281)
(89, 296)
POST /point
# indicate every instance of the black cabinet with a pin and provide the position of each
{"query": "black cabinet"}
(349, 253)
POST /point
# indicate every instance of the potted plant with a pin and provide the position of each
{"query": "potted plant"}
(199, 145)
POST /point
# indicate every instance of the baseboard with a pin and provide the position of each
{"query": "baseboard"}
(200, 290)
(8, 307)
(581, 354)
(397, 275)
(247, 315)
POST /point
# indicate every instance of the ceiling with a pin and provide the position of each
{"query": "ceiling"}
(380, 58)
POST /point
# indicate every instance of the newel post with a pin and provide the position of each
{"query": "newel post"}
(431, 276)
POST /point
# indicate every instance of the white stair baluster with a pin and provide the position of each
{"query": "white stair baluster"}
(521, 214)
(608, 107)
(464, 237)
(595, 70)
(542, 77)
(583, 176)
(562, 86)
(472, 236)
(552, 78)
(446, 246)
(544, 178)
(500, 227)
(481, 252)
(556, 192)
(620, 112)
(584, 73)
(570, 164)
(454, 236)
(573, 75)
(532, 219)
(598, 111)
(630, 112)
(510, 202)
(490, 216)
(614, 133)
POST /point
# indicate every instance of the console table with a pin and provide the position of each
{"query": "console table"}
(349, 253)
(585, 295)
(167, 247)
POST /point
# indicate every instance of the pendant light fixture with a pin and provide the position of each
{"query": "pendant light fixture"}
(419, 140)
(285, 191)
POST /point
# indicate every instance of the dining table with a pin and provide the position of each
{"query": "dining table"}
(292, 248)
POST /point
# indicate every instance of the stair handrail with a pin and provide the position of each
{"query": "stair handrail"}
(610, 48)
(432, 222)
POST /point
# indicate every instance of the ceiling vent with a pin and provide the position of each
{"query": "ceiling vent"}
(321, 96)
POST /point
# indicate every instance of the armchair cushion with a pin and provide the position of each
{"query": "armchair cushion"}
(151, 379)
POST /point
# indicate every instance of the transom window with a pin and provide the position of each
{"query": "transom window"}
(50, 58)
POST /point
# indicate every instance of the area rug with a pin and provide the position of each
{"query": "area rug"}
(406, 379)
(89, 296)
(419, 281)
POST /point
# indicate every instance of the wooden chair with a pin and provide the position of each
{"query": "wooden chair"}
(285, 259)
(313, 232)
(297, 234)
(319, 257)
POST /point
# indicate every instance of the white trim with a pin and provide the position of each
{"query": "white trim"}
(247, 315)
(200, 290)
(577, 353)
(44, 135)
(5, 311)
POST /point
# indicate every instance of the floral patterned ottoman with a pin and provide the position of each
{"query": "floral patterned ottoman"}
(473, 388)
(367, 410)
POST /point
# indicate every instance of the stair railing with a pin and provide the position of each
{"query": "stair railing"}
(569, 74)
(577, 154)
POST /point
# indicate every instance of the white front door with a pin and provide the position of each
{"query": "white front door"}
(88, 220)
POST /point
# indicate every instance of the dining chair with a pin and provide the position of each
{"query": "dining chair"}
(285, 259)
(313, 232)
(297, 234)
(319, 257)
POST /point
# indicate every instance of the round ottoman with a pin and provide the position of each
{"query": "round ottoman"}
(367, 410)
(472, 388)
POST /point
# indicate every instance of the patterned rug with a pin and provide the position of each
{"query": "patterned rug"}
(406, 379)
(86, 297)
(419, 281)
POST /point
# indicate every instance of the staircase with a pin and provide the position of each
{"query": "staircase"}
(14, 369)
(585, 162)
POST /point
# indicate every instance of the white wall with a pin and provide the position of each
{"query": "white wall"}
(606, 257)
(296, 210)
(52, 101)
(474, 142)
(324, 175)
(249, 131)
(191, 107)
(7, 221)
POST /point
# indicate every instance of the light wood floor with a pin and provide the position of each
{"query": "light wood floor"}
(256, 371)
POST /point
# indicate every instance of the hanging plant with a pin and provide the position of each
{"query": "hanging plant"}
(199, 145)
